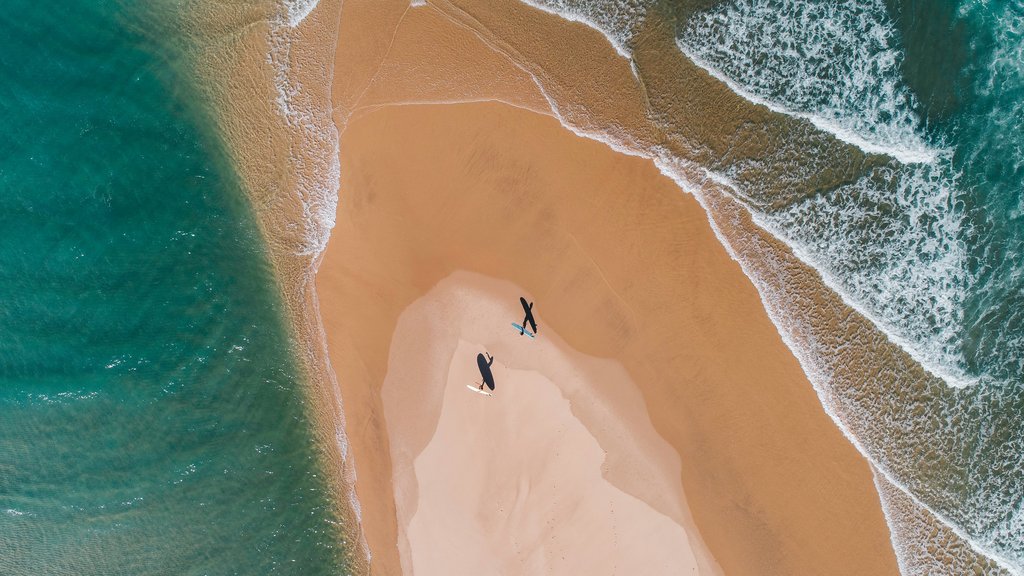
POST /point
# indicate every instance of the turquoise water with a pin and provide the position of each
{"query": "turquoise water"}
(151, 417)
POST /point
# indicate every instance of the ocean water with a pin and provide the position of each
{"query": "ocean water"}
(882, 141)
(152, 417)
(928, 246)
(926, 243)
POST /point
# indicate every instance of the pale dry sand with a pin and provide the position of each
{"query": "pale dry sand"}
(559, 472)
(624, 267)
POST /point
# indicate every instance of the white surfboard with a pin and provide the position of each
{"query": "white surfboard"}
(478, 390)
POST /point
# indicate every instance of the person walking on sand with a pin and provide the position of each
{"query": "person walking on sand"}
(484, 364)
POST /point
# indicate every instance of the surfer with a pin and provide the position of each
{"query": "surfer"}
(528, 307)
(484, 364)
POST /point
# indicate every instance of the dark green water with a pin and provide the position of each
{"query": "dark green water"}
(151, 417)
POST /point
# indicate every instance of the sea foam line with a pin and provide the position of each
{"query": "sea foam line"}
(617, 44)
(816, 373)
(836, 64)
(318, 176)
(297, 10)
(935, 366)
(919, 155)
(905, 154)
(952, 377)
(316, 166)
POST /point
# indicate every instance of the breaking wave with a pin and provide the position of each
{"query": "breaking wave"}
(836, 64)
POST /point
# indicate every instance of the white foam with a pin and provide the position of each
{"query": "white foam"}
(314, 170)
(833, 64)
(894, 250)
(925, 546)
(315, 163)
(297, 10)
(611, 21)
(907, 155)
(894, 253)
(811, 361)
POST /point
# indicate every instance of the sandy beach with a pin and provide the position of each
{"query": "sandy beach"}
(637, 278)
(658, 385)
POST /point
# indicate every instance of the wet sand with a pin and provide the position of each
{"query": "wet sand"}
(623, 267)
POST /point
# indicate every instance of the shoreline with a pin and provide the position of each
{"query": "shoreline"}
(236, 54)
(711, 490)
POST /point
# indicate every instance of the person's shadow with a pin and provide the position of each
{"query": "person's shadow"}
(484, 364)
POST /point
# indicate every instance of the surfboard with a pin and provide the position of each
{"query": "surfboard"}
(478, 390)
(523, 330)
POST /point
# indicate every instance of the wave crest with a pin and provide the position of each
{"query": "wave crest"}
(836, 64)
